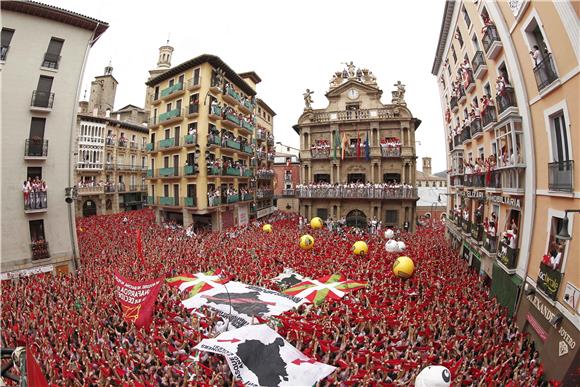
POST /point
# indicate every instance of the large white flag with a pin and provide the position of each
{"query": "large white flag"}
(239, 302)
(288, 278)
(259, 356)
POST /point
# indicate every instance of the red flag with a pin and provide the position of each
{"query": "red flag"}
(137, 299)
(140, 246)
(34, 372)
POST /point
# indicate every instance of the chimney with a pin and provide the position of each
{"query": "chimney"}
(427, 166)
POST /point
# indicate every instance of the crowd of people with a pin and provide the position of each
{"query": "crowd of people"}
(382, 335)
(35, 193)
(358, 189)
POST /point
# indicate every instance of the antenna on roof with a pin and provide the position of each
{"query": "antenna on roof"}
(168, 36)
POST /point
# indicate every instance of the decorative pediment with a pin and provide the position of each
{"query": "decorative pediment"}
(353, 84)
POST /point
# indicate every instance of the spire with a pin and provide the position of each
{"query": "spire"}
(165, 53)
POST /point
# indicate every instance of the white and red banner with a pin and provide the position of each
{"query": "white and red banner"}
(258, 356)
(240, 303)
(137, 299)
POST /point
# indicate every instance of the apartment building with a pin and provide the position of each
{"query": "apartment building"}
(508, 79)
(43, 54)
(358, 140)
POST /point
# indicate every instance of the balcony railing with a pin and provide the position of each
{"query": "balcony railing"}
(35, 201)
(193, 109)
(474, 180)
(456, 181)
(189, 170)
(361, 114)
(320, 153)
(51, 60)
(465, 134)
(215, 110)
(190, 139)
(169, 143)
(170, 115)
(545, 72)
(249, 105)
(189, 202)
(561, 176)
(490, 243)
(247, 149)
(232, 93)
(233, 118)
(264, 193)
(233, 144)
(453, 103)
(34, 147)
(478, 62)
(168, 172)
(507, 256)
(466, 226)
(214, 171)
(489, 37)
(266, 175)
(356, 193)
(494, 181)
(138, 188)
(213, 139)
(288, 192)
(488, 116)
(476, 127)
(42, 99)
(167, 201)
(232, 199)
(232, 171)
(171, 89)
(390, 151)
(39, 250)
(506, 100)
(214, 201)
(247, 197)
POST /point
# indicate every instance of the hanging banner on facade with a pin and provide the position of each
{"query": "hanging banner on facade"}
(549, 281)
(243, 218)
(507, 200)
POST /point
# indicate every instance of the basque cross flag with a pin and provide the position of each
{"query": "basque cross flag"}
(199, 282)
(258, 356)
(332, 287)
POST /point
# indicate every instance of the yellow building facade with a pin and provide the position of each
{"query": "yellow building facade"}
(202, 128)
(508, 79)
(357, 155)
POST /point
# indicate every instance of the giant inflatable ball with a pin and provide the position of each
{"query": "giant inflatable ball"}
(360, 248)
(433, 376)
(389, 234)
(403, 267)
(392, 246)
(306, 242)
(316, 223)
(267, 228)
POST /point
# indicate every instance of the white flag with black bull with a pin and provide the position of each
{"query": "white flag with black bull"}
(288, 278)
(258, 356)
(239, 302)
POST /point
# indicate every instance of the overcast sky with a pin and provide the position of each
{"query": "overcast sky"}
(292, 45)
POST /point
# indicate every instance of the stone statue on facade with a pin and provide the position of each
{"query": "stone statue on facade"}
(399, 94)
(308, 99)
(351, 69)
(220, 77)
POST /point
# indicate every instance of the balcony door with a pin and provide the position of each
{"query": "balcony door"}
(356, 178)
(43, 89)
(36, 136)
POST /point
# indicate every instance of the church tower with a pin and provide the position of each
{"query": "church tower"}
(103, 90)
(163, 62)
(427, 166)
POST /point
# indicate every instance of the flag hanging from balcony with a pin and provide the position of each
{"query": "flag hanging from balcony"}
(344, 144)
(358, 144)
(367, 148)
(336, 143)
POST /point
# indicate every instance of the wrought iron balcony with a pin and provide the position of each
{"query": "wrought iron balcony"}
(39, 250)
(171, 89)
(453, 103)
(490, 41)
(288, 192)
(477, 232)
(189, 170)
(213, 139)
(168, 143)
(233, 144)
(545, 72)
(479, 65)
(264, 193)
(476, 127)
(489, 243)
(35, 147)
(356, 193)
(188, 201)
(561, 176)
(465, 134)
(320, 152)
(508, 256)
(505, 100)
(193, 109)
(35, 202)
(214, 171)
(42, 99)
(390, 151)
(266, 175)
(488, 116)
(214, 201)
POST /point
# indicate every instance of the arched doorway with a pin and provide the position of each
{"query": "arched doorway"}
(89, 208)
(356, 218)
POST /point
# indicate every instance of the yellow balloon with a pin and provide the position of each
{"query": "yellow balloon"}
(360, 248)
(403, 267)
(267, 228)
(306, 242)
(316, 223)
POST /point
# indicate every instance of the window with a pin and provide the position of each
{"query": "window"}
(502, 70)
(475, 42)
(7, 34)
(156, 94)
(391, 217)
(34, 173)
(42, 96)
(192, 128)
(556, 247)
(487, 89)
(171, 82)
(454, 55)
(167, 133)
(166, 162)
(181, 79)
(321, 178)
(466, 17)
(560, 147)
(35, 142)
(459, 37)
(166, 190)
(52, 55)
(36, 230)
(196, 76)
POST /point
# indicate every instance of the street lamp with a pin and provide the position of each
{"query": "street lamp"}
(563, 232)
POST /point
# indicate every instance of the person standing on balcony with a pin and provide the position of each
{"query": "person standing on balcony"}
(26, 192)
(536, 55)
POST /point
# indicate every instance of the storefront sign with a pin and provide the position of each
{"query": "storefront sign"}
(549, 281)
(507, 200)
(537, 327)
(265, 211)
(472, 194)
(541, 307)
(242, 215)
(548, 314)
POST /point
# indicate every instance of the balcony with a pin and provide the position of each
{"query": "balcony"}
(167, 143)
(494, 183)
(248, 173)
(342, 192)
(133, 145)
(248, 105)
(248, 126)
(193, 83)
(477, 232)
(471, 82)
(506, 102)
(488, 117)
(41, 101)
(320, 153)
(150, 173)
(479, 65)
(214, 201)
(247, 149)
(109, 141)
(189, 202)
(265, 175)
(168, 172)
(456, 181)
(231, 96)
(491, 42)
(561, 176)
(260, 135)
(513, 179)
(122, 143)
(453, 104)
(121, 187)
(247, 197)
(214, 171)
(94, 190)
(457, 140)
(189, 170)
(167, 201)
(462, 96)
(150, 200)
(466, 134)
(110, 188)
(4, 52)
(232, 171)
(232, 199)
(233, 144)
(167, 92)
(264, 194)
(190, 139)
(508, 256)
(549, 281)
(489, 244)
(288, 192)
(390, 151)
(35, 202)
(231, 120)
(476, 128)
(214, 140)
(466, 226)
(193, 110)
(88, 166)
(215, 112)
(51, 61)
(138, 188)
(39, 250)
(170, 116)
(545, 72)
(35, 149)
(355, 115)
